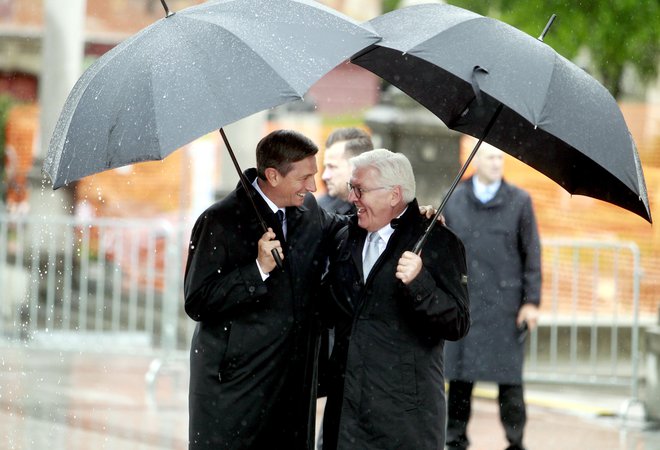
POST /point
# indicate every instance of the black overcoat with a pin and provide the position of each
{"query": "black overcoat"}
(252, 357)
(386, 386)
(504, 272)
(336, 205)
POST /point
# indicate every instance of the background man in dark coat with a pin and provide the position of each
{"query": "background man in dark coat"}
(386, 388)
(252, 358)
(341, 145)
(496, 222)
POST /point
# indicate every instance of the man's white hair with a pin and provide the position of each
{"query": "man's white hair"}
(394, 169)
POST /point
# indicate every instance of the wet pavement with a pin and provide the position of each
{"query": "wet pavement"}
(78, 401)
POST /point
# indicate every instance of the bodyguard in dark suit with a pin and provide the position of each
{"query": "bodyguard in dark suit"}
(252, 358)
(496, 222)
(341, 145)
(392, 311)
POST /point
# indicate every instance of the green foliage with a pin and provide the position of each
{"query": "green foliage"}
(6, 103)
(390, 5)
(353, 119)
(616, 32)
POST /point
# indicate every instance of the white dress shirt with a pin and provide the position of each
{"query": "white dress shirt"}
(485, 192)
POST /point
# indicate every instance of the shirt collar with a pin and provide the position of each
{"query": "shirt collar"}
(387, 231)
(273, 207)
(485, 192)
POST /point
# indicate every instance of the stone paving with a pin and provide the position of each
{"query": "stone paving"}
(51, 400)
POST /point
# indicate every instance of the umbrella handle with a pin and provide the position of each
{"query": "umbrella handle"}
(245, 184)
(417, 249)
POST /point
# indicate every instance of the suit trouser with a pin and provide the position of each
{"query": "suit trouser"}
(512, 413)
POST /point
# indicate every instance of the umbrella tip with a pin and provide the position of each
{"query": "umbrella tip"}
(547, 27)
(168, 13)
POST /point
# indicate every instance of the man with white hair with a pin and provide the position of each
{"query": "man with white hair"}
(392, 310)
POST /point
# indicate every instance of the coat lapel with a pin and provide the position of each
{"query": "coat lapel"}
(401, 240)
(294, 216)
(356, 244)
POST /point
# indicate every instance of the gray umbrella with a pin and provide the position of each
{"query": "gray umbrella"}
(192, 72)
(487, 79)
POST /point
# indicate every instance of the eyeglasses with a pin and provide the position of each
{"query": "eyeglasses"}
(359, 191)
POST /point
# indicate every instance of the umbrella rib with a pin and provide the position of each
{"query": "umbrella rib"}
(80, 89)
(364, 52)
(250, 49)
(539, 120)
(243, 42)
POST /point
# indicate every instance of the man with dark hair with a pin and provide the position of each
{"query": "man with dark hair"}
(345, 134)
(252, 358)
(341, 145)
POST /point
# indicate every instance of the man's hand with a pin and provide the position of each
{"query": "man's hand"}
(408, 267)
(265, 245)
(529, 313)
(429, 211)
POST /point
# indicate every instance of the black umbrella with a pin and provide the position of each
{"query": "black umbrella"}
(490, 80)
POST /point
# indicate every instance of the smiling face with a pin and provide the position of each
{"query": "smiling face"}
(378, 204)
(337, 170)
(290, 189)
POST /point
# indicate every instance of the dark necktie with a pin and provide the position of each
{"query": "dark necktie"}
(280, 217)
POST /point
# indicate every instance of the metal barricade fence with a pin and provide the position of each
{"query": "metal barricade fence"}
(115, 285)
(107, 285)
(589, 326)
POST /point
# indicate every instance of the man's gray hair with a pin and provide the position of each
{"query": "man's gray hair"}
(394, 169)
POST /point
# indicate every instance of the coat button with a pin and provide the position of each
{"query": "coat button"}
(418, 298)
(251, 289)
(220, 377)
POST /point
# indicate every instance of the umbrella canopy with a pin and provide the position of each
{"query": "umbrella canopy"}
(490, 80)
(193, 72)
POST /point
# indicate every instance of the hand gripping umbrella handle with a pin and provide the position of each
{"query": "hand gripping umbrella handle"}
(245, 184)
(417, 249)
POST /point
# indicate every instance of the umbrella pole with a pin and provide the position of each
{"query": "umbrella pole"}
(422, 240)
(245, 184)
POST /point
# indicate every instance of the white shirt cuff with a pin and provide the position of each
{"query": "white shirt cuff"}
(264, 275)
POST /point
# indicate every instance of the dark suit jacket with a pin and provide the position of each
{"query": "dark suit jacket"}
(336, 205)
(252, 358)
(386, 387)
